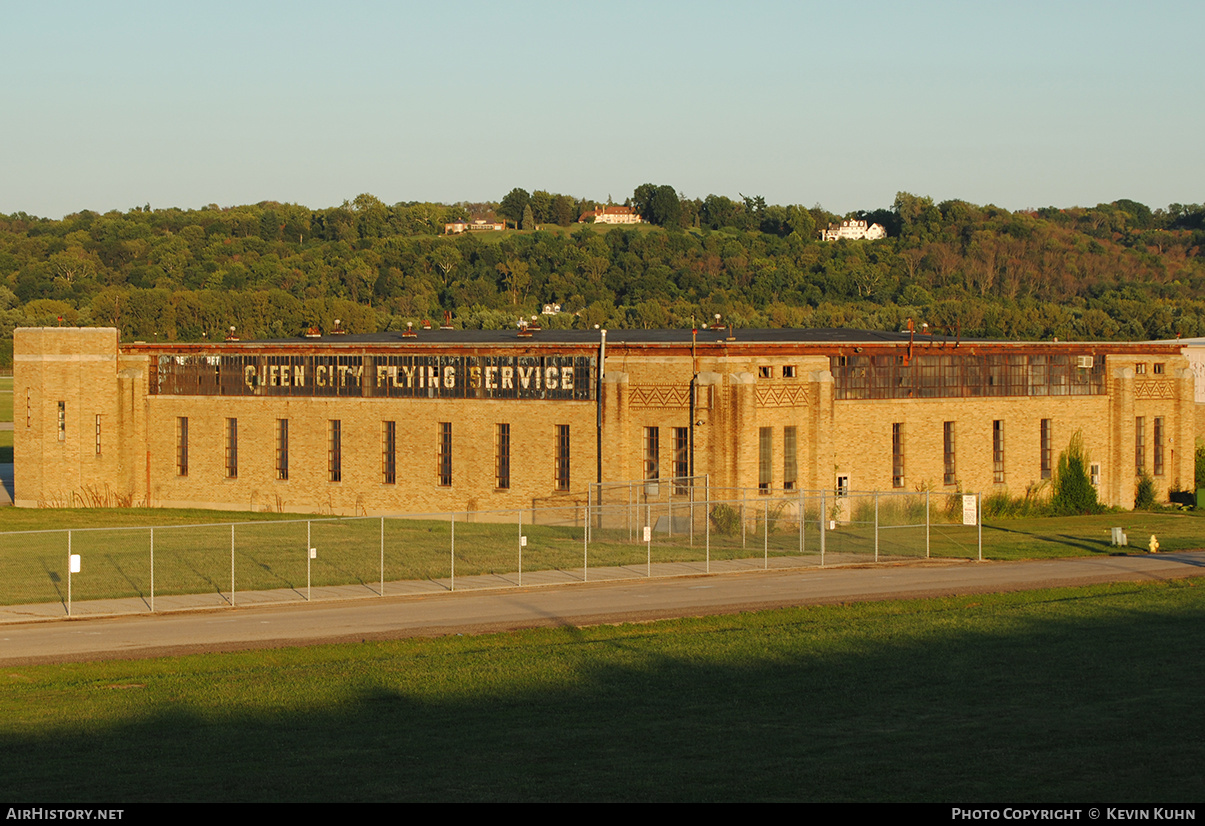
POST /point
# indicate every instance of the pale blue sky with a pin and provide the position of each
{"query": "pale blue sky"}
(112, 105)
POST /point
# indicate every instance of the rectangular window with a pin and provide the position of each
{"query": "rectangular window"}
(97, 434)
(182, 446)
(1139, 446)
(1140, 368)
(562, 457)
(897, 455)
(1158, 367)
(652, 452)
(445, 454)
(334, 451)
(502, 456)
(282, 450)
(681, 458)
(389, 453)
(790, 458)
(951, 474)
(1158, 445)
(62, 421)
(765, 372)
(788, 371)
(1046, 448)
(765, 459)
(232, 448)
(998, 451)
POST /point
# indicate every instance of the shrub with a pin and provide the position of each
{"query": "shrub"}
(1073, 490)
(1144, 493)
(727, 519)
(1200, 465)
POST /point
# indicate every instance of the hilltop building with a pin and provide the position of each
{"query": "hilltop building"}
(853, 231)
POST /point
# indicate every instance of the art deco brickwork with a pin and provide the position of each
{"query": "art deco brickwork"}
(388, 424)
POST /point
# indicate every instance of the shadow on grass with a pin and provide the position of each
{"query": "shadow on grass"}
(1061, 696)
(1092, 546)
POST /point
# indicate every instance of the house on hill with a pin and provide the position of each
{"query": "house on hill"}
(612, 215)
(853, 231)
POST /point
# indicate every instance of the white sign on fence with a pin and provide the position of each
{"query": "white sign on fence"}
(970, 513)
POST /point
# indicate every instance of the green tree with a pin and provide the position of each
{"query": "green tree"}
(1073, 490)
(513, 204)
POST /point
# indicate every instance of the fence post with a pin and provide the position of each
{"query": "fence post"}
(452, 516)
(823, 524)
(152, 570)
(926, 524)
(801, 521)
(68, 573)
(586, 540)
(520, 548)
(876, 526)
(979, 513)
(744, 500)
(232, 564)
(382, 556)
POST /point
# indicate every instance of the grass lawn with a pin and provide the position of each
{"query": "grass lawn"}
(193, 555)
(1069, 695)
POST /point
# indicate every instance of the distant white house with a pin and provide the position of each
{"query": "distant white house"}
(612, 215)
(478, 225)
(854, 231)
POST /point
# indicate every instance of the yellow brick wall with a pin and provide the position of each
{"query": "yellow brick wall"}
(737, 394)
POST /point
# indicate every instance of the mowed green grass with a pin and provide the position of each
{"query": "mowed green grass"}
(193, 557)
(1066, 695)
(193, 554)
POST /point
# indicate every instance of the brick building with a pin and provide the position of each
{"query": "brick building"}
(436, 420)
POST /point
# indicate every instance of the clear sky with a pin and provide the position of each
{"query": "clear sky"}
(110, 105)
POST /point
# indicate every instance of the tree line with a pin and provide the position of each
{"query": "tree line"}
(1114, 271)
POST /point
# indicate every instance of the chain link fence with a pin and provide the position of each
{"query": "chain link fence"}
(616, 531)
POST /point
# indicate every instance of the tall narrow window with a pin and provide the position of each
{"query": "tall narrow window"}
(765, 459)
(951, 475)
(1139, 445)
(790, 458)
(502, 456)
(282, 449)
(182, 446)
(652, 450)
(1046, 448)
(62, 421)
(232, 448)
(998, 451)
(1158, 445)
(334, 451)
(562, 457)
(445, 454)
(897, 454)
(97, 434)
(389, 453)
(681, 459)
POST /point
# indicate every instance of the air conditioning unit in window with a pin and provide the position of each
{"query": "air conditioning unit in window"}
(1083, 361)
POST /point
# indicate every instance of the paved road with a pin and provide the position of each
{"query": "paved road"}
(569, 605)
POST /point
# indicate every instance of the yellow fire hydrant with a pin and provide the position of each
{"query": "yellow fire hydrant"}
(1154, 545)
